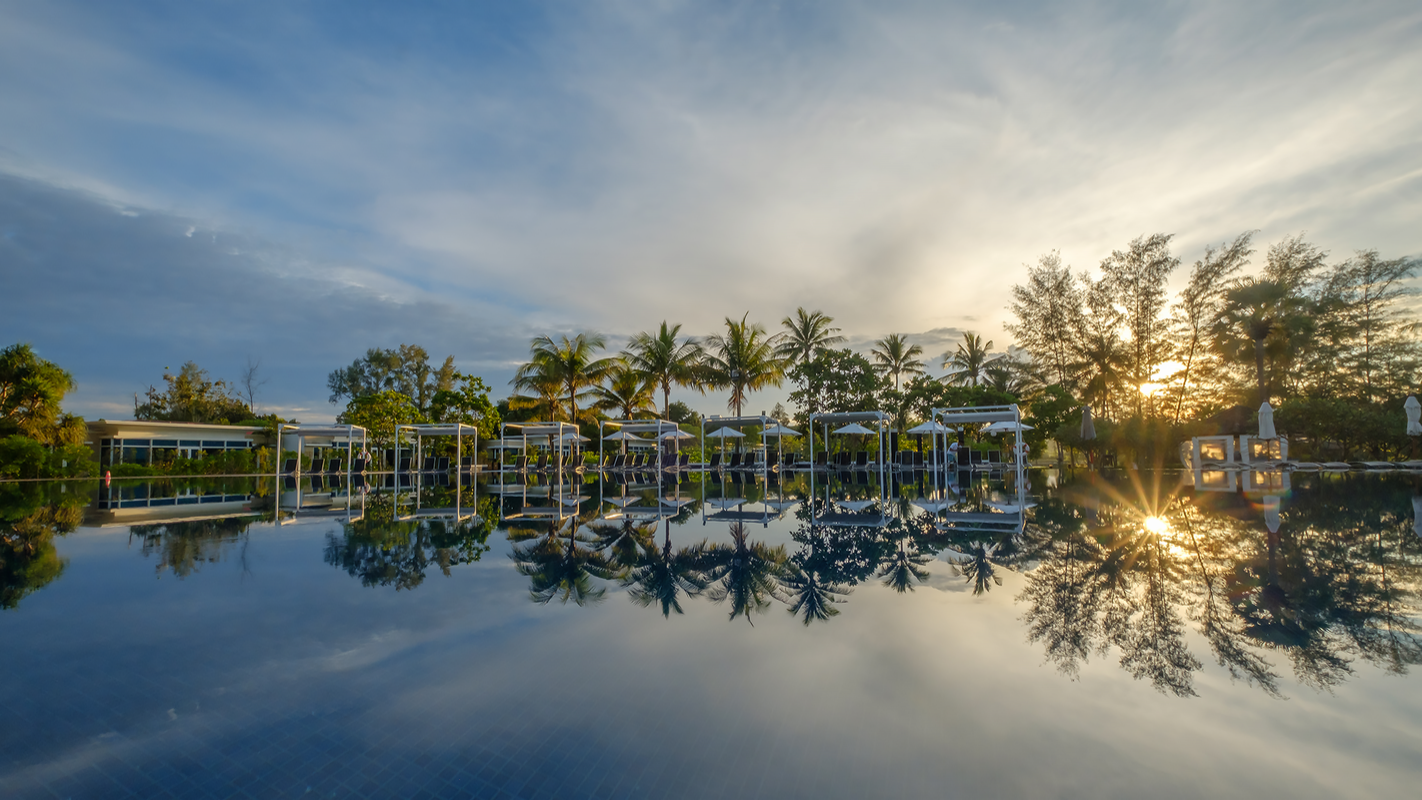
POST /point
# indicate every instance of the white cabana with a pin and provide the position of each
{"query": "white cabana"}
(654, 432)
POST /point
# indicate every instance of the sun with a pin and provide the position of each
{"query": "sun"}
(1155, 525)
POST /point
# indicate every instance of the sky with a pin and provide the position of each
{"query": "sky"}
(295, 182)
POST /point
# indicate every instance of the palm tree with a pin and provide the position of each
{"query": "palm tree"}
(627, 392)
(664, 361)
(743, 360)
(902, 566)
(568, 364)
(970, 360)
(979, 568)
(893, 355)
(1255, 311)
(806, 333)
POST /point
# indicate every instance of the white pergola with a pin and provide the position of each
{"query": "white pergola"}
(880, 427)
(332, 432)
(660, 427)
(736, 423)
(420, 432)
(974, 415)
(552, 431)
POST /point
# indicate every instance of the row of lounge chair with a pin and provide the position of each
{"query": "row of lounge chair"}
(321, 466)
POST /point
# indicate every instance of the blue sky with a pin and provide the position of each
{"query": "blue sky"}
(299, 181)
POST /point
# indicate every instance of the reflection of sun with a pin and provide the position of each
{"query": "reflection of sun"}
(1155, 525)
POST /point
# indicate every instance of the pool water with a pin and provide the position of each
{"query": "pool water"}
(1085, 636)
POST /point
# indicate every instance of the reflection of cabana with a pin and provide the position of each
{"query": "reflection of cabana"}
(295, 503)
(419, 432)
(325, 435)
(630, 428)
(457, 512)
(552, 432)
(851, 513)
(561, 504)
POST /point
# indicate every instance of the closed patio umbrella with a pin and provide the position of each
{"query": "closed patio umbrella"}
(1088, 428)
(1266, 422)
(1414, 416)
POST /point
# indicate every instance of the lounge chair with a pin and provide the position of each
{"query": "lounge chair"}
(333, 466)
(466, 464)
(317, 465)
(404, 465)
(442, 464)
(735, 461)
(862, 462)
(772, 460)
(822, 460)
(520, 464)
(684, 462)
(358, 466)
(715, 463)
(542, 465)
(288, 466)
(918, 460)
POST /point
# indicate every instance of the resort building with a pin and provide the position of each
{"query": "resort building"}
(144, 442)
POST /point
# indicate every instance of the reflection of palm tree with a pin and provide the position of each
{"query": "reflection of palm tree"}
(623, 540)
(902, 567)
(810, 595)
(746, 573)
(979, 567)
(563, 572)
(660, 576)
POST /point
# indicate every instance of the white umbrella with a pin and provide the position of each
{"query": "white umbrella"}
(1266, 422)
(854, 427)
(623, 436)
(725, 433)
(1007, 427)
(855, 505)
(1088, 428)
(932, 426)
(779, 430)
(1414, 416)
(678, 435)
(568, 437)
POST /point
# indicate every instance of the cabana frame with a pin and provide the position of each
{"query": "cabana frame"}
(419, 432)
(736, 423)
(635, 426)
(553, 431)
(333, 432)
(959, 416)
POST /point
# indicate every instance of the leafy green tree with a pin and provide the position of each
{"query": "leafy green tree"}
(834, 381)
(1049, 410)
(1364, 330)
(743, 360)
(380, 414)
(1049, 310)
(806, 333)
(467, 403)
(1101, 355)
(31, 515)
(1200, 303)
(969, 361)
(192, 396)
(664, 360)
(406, 370)
(893, 355)
(1136, 278)
(567, 364)
(31, 390)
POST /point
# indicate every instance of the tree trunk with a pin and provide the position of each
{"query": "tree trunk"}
(1259, 370)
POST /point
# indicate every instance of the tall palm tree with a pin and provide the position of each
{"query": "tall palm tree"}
(626, 392)
(893, 355)
(806, 333)
(811, 597)
(902, 566)
(568, 364)
(1255, 311)
(970, 360)
(665, 361)
(743, 360)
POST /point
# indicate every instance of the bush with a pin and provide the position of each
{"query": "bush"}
(23, 457)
